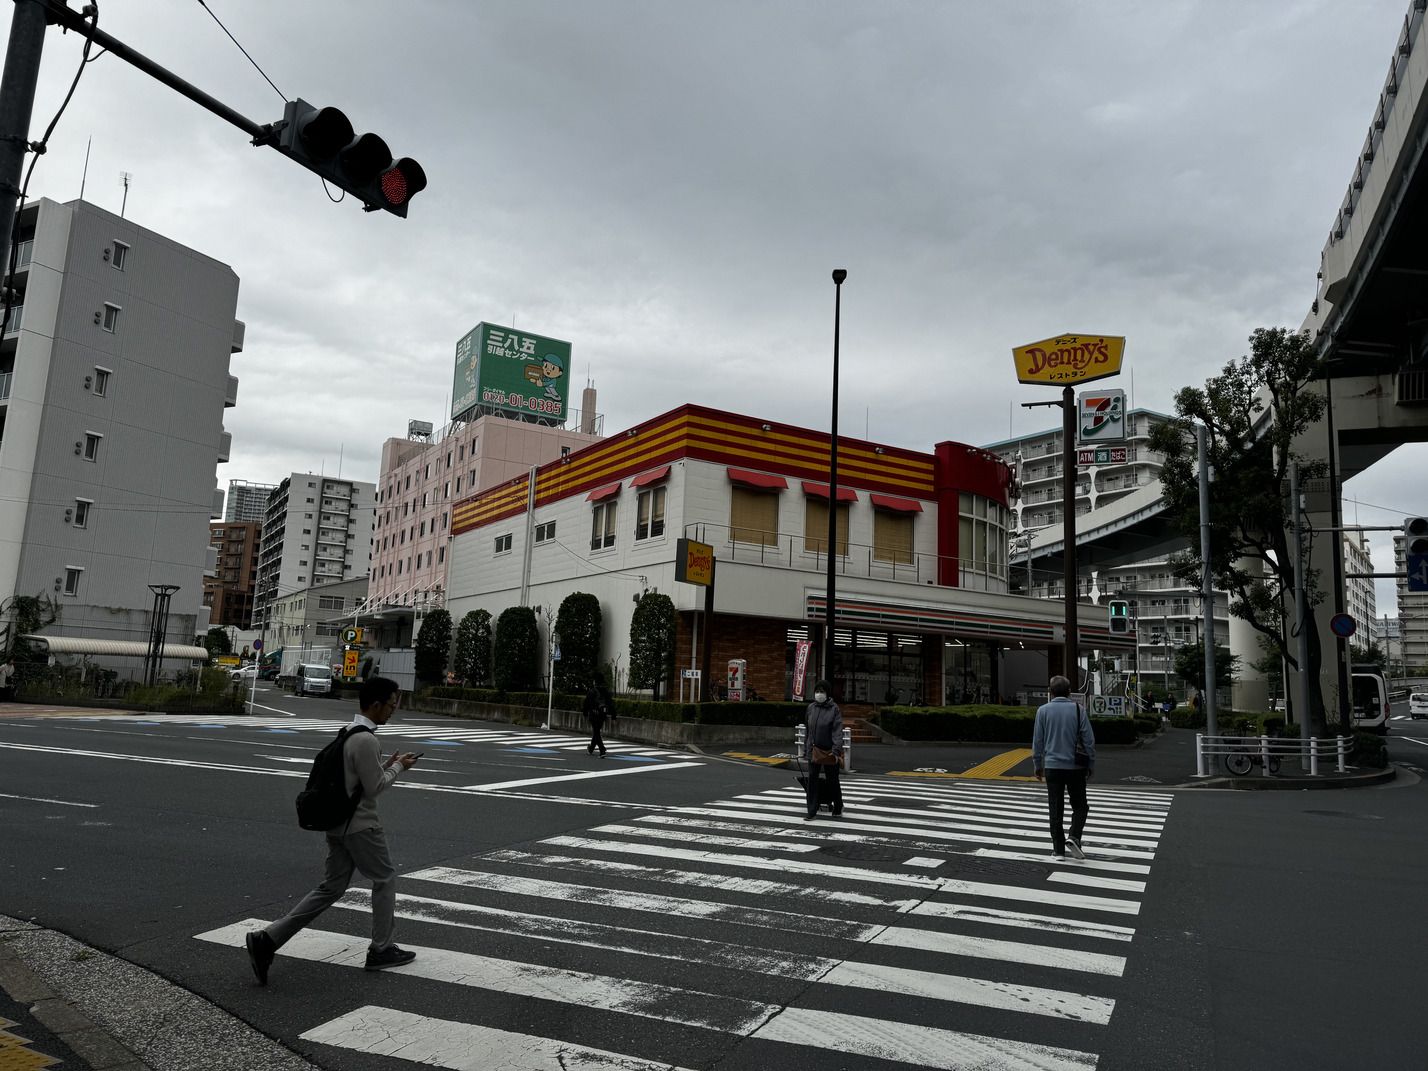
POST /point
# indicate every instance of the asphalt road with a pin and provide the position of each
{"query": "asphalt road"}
(660, 909)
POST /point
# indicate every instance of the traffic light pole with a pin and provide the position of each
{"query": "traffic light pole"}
(17, 102)
(1207, 591)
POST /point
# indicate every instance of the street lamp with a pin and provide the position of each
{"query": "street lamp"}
(839, 274)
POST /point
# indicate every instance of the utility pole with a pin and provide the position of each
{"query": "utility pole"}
(1300, 606)
(17, 103)
(1207, 592)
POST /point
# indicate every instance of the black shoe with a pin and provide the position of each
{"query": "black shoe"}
(1073, 848)
(602, 754)
(261, 951)
(391, 956)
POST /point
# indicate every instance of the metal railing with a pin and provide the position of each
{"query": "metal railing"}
(1246, 752)
(800, 735)
(5, 378)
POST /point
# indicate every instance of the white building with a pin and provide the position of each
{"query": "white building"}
(923, 613)
(1166, 612)
(1360, 602)
(247, 502)
(317, 530)
(1412, 616)
(113, 382)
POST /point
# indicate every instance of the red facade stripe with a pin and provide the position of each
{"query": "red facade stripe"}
(764, 480)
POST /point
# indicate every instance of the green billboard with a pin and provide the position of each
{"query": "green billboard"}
(499, 368)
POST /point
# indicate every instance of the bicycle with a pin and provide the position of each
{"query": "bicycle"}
(1242, 759)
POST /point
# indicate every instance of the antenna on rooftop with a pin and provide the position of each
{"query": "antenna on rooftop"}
(124, 177)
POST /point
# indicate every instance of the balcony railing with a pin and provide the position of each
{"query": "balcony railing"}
(12, 322)
(5, 378)
(788, 552)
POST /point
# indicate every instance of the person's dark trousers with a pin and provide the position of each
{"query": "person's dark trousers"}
(596, 724)
(1058, 784)
(834, 788)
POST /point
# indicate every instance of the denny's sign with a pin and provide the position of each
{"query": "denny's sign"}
(1069, 359)
(694, 563)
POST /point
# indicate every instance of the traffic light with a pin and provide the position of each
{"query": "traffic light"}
(323, 141)
(1120, 617)
(1415, 535)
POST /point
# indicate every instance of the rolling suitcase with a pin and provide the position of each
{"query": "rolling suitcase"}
(825, 790)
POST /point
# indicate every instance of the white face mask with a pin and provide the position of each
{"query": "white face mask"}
(820, 697)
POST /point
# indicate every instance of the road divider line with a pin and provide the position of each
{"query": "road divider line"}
(577, 776)
(42, 799)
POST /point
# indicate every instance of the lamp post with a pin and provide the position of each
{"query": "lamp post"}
(839, 274)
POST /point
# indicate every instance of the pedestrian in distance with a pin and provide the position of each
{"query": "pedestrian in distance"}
(1063, 753)
(599, 705)
(358, 844)
(823, 748)
(7, 681)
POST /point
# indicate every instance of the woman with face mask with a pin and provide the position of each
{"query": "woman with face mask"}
(824, 726)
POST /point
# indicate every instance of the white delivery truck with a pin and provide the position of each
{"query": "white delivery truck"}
(313, 678)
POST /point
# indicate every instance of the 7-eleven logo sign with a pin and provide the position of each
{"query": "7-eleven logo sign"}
(1101, 417)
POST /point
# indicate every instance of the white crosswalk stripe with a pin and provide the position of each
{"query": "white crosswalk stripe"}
(923, 907)
(451, 733)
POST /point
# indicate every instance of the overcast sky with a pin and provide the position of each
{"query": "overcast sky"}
(668, 185)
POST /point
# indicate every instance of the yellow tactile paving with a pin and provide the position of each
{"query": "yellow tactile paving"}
(16, 1055)
(994, 769)
(767, 760)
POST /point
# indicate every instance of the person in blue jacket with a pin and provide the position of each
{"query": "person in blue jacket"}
(1063, 753)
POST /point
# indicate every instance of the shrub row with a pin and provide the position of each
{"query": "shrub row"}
(987, 723)
(560, 701)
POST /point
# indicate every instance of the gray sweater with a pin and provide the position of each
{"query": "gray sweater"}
(362, 759)
(825, 728)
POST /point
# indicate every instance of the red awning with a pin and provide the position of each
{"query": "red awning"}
(644, 479)
(602, 493)
(897, 505)
(757, 479)
(820, 490)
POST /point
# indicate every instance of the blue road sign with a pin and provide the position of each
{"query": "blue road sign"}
(1343, 626)
(1418, 572)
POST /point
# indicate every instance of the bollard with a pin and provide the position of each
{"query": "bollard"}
(1199, 754)
(1264, 755)
(1313, 756)
(1342, 767)
(798, 739)
(847, 750)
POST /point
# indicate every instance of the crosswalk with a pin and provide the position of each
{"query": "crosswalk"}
(929, 927)
(527, 740)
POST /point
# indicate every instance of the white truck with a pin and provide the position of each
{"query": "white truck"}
(313, 678)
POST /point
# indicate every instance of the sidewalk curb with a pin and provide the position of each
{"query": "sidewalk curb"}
(108, 1010)
(1286, 784)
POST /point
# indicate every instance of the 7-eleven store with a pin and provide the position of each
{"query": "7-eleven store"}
(923, 613)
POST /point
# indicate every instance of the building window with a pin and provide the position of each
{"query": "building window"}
(602, 525)
(111, 317)
(443, 522)
(544, 531)
(649, 508)
(982, 535)
(815, 526)
(101, 382)
(440, 555)
(458, 485)
(753, 516)
(91, 446)
(503, 543)
(71, 579)
(330, 602)
(428, 559)
(81, 512)
(120, 256)
(423, 527)
(892, 537)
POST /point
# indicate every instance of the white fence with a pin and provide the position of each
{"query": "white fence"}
(1243, 753)
(798, 743)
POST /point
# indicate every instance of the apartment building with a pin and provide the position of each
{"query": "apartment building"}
(228, 591)
(422, 478)
(317, 530)
(1412, 616)
(247, 501)
(114, 377)
(1360, 601)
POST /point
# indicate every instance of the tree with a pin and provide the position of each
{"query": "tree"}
(1190, 665)
(1254, 410)
(217, 642)
(516, 652)
(472, 662)
(433, 644)
(1372, 655)
(23, 615)
(579, 625)
(652, 642)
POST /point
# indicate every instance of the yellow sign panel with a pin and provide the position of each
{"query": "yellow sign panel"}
(227, 660)
(1069, 359)
(349, 663)
(352, 635)
(694, 563)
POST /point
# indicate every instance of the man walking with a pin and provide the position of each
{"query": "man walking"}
(1063, 752)
(357, 844)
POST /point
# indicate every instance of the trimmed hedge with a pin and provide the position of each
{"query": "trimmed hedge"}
(773, 714)
(560, 701)
(986, 723)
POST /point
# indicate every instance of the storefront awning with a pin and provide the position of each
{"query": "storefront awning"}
(763, 480)
(84, 645)
(644, 479)
(602, 493)
(895, 504)
(820, 490)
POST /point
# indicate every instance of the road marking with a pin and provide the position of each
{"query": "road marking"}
(577, 776)
(999, 764)
(42, 799)
(932, 1047)
(688, 836)
(922, 860)
(464, 1046)
(960, 776)
(997, 916)
(767, 760)
(1414, 740)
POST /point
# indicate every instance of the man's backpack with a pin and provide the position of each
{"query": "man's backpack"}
(325, 804)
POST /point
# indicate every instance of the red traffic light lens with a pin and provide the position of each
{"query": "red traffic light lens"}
(394, 186)
(402, 181)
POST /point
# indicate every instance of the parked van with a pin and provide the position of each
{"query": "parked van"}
(312, 679)
(1418, 705)
(1370, 695)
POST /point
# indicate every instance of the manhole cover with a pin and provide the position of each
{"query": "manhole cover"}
(1347, 814)
(1141, 779)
